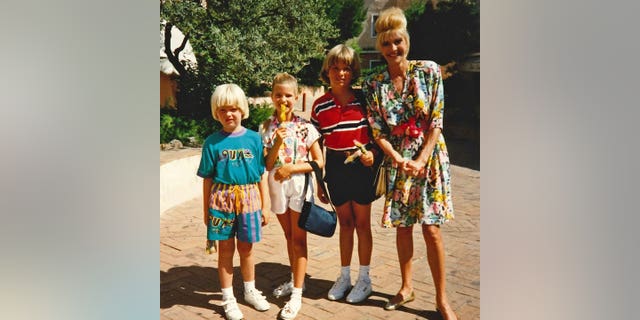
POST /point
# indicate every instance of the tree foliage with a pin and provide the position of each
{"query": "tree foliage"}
(246, 42)
(446, 33)
(347, 16)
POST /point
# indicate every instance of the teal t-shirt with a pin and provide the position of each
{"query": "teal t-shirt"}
(232, 158)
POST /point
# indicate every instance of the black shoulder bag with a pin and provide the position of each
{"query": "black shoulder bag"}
(314, 218)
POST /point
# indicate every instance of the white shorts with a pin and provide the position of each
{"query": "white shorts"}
(288, 194)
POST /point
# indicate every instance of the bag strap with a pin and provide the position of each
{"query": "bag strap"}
(318, 174)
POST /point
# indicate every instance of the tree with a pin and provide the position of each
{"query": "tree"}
(445, 32)
(348, 16)
(246, 42)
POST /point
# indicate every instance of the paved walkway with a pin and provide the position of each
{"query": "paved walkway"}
(189, 288)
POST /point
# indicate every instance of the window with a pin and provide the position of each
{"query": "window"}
(374, 63)
(374, 17)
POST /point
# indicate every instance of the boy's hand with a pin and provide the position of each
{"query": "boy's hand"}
(367, 159)
(266, 215)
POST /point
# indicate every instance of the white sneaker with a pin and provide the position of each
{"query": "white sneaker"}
(257, 300)
(284, 289)
(339, 288)
(290, 310)
(231, 309)
(360, 291)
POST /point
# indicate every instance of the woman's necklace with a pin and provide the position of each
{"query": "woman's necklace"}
(398, 83)
(398, 76)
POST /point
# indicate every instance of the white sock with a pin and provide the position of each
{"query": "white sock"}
(249, 285)
(296, 298)
(227, 293)
(345, 272)
(296, 292)
(364, 272)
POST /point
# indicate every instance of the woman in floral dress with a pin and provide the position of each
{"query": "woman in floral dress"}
(405, 104)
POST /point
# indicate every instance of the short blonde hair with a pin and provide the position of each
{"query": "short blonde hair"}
(391, 21)
(229, 94)
(285, 78)
(337, 54)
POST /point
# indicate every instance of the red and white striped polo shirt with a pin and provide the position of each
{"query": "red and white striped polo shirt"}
(340, 125)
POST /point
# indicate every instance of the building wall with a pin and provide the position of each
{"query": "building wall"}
(367, 40)
(168, 88)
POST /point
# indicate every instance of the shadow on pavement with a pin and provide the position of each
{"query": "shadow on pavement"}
(199, 286)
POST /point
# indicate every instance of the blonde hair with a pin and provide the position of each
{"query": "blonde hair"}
(229, 94)
(287, 79)
(337, 54)
(391, 21)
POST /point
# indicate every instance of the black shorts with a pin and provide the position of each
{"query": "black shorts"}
(348, 182)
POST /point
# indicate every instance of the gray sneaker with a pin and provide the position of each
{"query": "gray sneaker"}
(360, 291)
(339, 288)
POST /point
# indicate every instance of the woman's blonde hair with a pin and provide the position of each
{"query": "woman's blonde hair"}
(285, 78)
(229, 94)
(391, 21)
(337, 54)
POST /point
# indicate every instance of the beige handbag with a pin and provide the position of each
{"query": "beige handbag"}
(380, 182)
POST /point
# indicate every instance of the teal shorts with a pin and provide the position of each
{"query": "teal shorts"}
(235, 211)
(247, 227)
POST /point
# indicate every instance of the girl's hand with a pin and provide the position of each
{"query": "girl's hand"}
(281, 133)
(367, 159)
(283, 173)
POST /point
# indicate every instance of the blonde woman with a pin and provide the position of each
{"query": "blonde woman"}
(405, 104)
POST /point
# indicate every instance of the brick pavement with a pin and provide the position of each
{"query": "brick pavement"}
(189, 288)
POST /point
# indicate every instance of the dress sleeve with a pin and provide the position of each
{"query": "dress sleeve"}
(379, 128)
(312, 136)
(435, 94)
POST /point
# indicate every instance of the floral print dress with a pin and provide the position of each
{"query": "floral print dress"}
(404, 119)
(295, 147)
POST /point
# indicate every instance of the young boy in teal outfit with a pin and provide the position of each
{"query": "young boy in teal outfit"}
(232, 168)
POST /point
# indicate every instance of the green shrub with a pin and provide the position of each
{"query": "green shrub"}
(183, 127)
(258, 113)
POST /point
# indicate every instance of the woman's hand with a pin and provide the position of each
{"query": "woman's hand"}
(398, 159)
(414, 168)
(283, 173)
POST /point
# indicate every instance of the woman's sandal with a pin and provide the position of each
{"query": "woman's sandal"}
(397, 301)
(440, 311)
